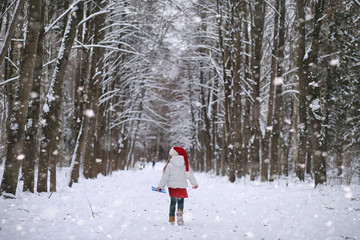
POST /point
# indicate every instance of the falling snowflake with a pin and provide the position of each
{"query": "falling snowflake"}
(20, 157)
(335, 62)
(278, 81)
(89, 113)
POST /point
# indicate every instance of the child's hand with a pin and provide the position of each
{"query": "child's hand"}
(195, 187)
(158, 189)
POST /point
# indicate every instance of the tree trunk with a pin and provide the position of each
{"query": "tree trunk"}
(3, 7)
(98, 125)
(81, 121)
(278, 82)
(16, 132)
(31, 146)
(295, 117)
(302, 76)
(247, 107)
(205, 103)
(236, 133)
(11, 30)
(269, 129)
(316, 100)
(11, 71)
(226, 67)
(256, 35)
(52, 108)
(207, 135)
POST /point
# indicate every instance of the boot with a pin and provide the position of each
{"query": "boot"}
(179, 216)
(172, 220)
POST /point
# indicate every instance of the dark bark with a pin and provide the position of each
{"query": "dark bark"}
(316, 100)
(268, 131)
(302, 75)
(81, 122)
(256, 35)
(247, 108)
(97, 125)
(3, 6)
(16, 133)
(236, 118)
(14, 21)
(31, 149)
(226, 157)
(276, 126)
(49, 143)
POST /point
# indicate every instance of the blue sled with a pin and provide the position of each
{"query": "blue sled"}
(162, 190)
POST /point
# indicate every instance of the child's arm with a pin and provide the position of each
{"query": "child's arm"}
(164, 178)
(192, 180)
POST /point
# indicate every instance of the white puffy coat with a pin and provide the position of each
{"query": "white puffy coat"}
(174, 175)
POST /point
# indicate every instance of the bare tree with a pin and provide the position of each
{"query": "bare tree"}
(49, 143)
(302, 76)
(18, 9)
(31, 139)
(316, 100)
(16, 130)
(256, 38)
(278, 82)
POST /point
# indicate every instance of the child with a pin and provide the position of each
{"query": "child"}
(175, 175)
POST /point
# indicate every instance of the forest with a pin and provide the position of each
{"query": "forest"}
(263, 89)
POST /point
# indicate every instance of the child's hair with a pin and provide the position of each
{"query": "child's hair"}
(167, 162)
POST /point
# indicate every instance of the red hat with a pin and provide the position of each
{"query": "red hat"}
(175, 151)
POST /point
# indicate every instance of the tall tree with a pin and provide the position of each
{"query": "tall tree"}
(18, 9)
(82, 114)
(31, 139)
(52, 107)
(316, 99)
(257, 30)
(301, 63)
(238, 76)
(278, 82)
(269, 129)
(16, 129)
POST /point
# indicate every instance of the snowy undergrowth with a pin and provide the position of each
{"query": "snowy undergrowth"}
(122, 206)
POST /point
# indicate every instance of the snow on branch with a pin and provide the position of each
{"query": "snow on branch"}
(92, 16)
(9, 80)
(276, 11)
(107, 47)
(48, 28)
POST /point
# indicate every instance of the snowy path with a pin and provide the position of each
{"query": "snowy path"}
(124, 207)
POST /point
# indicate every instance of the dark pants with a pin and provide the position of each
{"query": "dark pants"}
(180, 203)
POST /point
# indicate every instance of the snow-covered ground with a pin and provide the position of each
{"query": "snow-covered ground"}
(122, 206)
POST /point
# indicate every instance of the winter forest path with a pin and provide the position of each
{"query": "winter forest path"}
(122, 206)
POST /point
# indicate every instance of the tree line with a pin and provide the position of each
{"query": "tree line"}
(287, 77)
(249, 88)
(277, 89)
